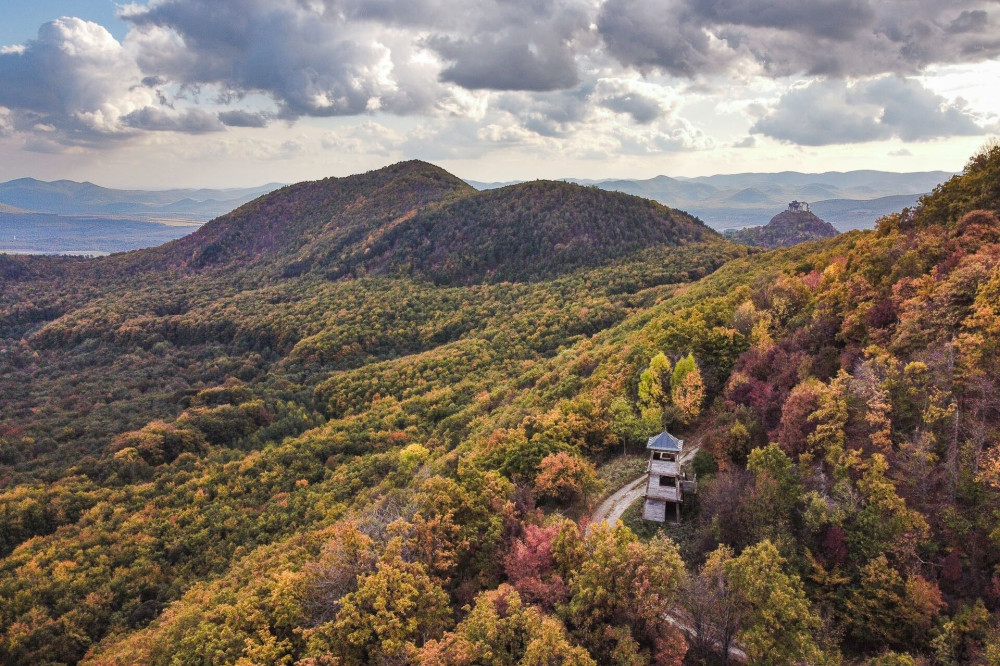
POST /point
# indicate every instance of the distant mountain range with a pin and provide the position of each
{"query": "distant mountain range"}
(66, 217)
(70, 217)
(67, 197)
(847, 200)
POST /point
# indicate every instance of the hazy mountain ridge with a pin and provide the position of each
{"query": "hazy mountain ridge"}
(66, 216)
(847, 200)
(66, 197)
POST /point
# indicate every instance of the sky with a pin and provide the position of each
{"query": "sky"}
(229, 93)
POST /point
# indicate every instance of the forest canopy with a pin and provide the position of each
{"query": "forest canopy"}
(364, 420)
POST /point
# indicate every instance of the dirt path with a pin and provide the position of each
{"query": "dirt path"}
(612, 508)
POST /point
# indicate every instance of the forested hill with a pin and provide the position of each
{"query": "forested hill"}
(785, 229)
(315, 222)
(293, 451)
(415, 219)
(528, 231)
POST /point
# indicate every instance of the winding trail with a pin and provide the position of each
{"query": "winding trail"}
(613, 507)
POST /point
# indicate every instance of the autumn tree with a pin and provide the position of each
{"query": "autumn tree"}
(886, 609)
(502, 630)
(159, 442)
(531, 567)
(626, 425)
(621, 594)
(394, 610)
(830, 417)
(777, 625)
(654, 383)
(565, 478)
(713, 607)
(884, 524)
(348, 554)
(687, 389)
(777, 491)
(654, 392)
(793, 432)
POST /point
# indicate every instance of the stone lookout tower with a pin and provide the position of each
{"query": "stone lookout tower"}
(798, 207)
(666, 481)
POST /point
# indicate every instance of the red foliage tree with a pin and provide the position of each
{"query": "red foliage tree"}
(531, 568)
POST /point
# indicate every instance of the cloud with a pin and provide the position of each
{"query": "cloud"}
(846, 38)
(834, 112)
(553, 114)
(969, 21)
(659, 36)
(352, 57)
(241, 118)
(309, 61)
(643, 110)
(194, 121)
(833, 19)
(369, 138)
(668, 136)
(516, 46)
(643, 102)
(456, 138)
(491, 44)
(508, 62)
(77, 85)
(75, 76)
(6, 122)
(609, 73)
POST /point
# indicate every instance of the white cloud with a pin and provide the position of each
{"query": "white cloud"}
(369, 138)
(79, 85)
(6, 122)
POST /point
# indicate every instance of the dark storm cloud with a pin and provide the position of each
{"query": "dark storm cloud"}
(658, 36)
(511, 62)
(786, 37)
(834, 19)
(832, 112)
